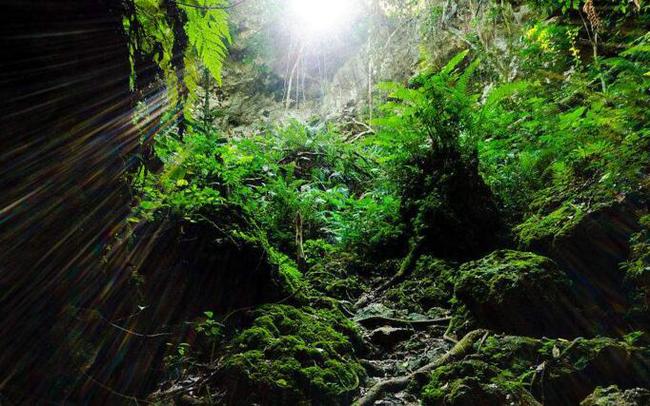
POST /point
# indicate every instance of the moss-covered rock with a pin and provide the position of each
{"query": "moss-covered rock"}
(223, 265)
(589, 243)
(517, 354)
(292, 356)
(556, 224)
(430, 285)
(332, 271)
(572, 370)
(521, 293)
(613, 396)
(559, 371)
(473, 382)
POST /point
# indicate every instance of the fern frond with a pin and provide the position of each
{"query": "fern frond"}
(461, 85)
(454, 62)
(209, 35)
(502, 92)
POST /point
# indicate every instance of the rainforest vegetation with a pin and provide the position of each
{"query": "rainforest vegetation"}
(303, 202)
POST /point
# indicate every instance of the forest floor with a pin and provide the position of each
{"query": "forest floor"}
(401, 342)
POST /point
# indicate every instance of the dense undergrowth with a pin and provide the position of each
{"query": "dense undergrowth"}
(444, 203)
(472, 197)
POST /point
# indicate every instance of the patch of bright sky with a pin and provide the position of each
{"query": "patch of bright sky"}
(321, 18)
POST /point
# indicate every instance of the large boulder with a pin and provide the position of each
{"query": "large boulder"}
(293, 356)
(520, 293)
(187, 268)
(589, 244)
(213, 264)
(582, 365)
(563, 372)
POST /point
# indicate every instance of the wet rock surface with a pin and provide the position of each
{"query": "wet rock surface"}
(388, 337)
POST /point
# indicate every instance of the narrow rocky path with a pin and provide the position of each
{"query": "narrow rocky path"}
(400, 343)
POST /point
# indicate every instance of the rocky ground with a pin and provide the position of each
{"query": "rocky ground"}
(559, 318)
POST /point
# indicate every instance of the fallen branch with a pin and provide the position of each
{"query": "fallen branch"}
(358, 136)
(293, 156)
(217, 7)
(376, 321)
(392, 385)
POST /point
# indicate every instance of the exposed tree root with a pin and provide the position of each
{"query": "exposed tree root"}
(404, 271)
(460, 350)
(377, 321)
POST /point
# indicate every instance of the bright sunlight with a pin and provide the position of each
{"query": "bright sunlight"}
(321, 17)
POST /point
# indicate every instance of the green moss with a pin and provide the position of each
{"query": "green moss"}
(430, 285)
(294, 356)
(334, 281)
(332, 271)
(290, 277)
(613, 395)
(469, 382)
(549, 226)
(518, 292)
(513, 353)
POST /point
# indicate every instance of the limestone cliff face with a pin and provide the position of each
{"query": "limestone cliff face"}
(274, 75)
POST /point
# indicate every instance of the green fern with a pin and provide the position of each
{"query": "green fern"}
(454, 62)
(207, 32)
